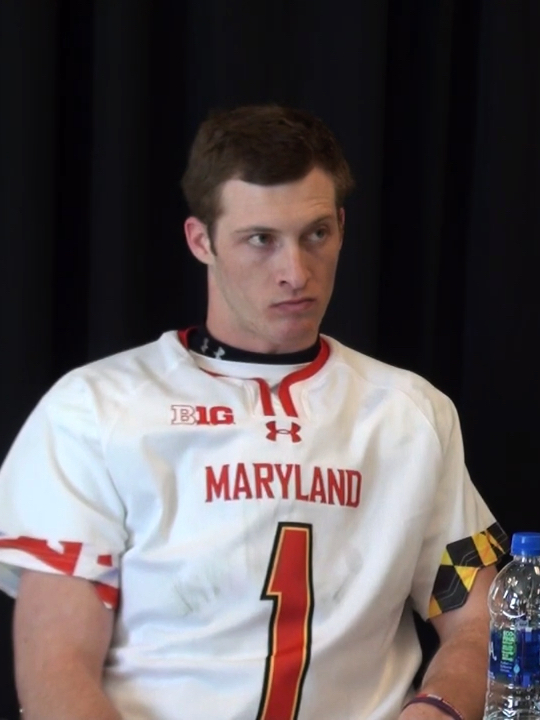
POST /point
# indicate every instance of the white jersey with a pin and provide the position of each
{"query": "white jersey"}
(266, 531)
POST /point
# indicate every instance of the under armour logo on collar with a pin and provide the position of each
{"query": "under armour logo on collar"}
(274, 431)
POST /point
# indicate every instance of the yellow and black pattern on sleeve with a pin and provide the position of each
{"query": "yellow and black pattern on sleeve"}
(460, 562)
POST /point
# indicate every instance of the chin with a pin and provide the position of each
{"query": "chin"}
(296, 337)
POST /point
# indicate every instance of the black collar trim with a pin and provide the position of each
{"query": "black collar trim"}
(200, 341)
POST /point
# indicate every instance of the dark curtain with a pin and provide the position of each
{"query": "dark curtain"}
(437, 107)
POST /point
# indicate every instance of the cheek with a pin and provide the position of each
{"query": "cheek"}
(231, 271)
(327, 266)
(237, 265)
(242, 280)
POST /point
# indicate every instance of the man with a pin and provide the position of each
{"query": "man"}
(236, 521)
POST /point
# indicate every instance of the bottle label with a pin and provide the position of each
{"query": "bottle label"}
(514, 656)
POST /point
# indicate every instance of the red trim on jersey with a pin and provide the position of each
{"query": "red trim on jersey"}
(63, 561)
(266, 396)
(108, 594)
(264, 388)
(299, 375)
(183, 335)
(285, 385)
(213, 374)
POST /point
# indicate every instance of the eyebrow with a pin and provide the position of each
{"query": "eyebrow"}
(265, 229)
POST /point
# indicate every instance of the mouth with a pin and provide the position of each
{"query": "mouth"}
(298, 305)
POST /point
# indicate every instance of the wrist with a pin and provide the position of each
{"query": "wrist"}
(437, 702)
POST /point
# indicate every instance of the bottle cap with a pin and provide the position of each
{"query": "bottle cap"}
(525, 543)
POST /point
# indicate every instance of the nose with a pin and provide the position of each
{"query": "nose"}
(293, 267)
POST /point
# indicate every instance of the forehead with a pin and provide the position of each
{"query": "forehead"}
(301, 201)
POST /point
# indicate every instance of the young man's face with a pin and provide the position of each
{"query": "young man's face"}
(272, 276)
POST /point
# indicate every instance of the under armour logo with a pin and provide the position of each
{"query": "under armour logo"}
(274, 431)
(220, 352)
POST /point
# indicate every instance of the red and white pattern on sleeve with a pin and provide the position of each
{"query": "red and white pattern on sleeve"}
(67, 558)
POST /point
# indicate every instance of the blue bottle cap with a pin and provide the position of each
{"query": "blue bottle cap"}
(525, 543)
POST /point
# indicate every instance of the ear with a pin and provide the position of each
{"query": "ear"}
(198, 240)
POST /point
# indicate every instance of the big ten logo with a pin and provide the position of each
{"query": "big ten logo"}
(201, 415)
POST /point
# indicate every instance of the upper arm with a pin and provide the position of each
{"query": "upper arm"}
(473, 614)
(58, 620)
(459, 535)
(75, 522)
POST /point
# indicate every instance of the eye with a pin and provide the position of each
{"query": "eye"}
(319, 234)
(260, 240)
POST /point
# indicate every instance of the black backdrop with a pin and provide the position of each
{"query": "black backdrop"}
(437, 107)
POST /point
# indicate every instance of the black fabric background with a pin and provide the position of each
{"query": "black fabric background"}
(437, 107)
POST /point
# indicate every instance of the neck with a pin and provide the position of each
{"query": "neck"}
(202, 341)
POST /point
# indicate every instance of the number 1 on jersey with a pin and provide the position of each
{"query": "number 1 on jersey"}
(289, 584)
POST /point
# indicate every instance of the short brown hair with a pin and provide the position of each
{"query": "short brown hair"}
(260, 144)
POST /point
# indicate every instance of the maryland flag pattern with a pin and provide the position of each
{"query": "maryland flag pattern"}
(460, 562)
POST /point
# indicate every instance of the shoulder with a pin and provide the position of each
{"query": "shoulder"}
(109, 383)
(397, 386)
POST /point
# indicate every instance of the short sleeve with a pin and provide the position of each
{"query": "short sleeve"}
(59, 509)
(462, 536)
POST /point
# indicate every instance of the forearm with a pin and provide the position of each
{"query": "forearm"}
(60, 649)
(67, 694)
(457, 673)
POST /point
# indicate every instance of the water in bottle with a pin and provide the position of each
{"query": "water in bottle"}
(513, 691)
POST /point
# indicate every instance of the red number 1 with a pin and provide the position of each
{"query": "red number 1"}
(289, 584)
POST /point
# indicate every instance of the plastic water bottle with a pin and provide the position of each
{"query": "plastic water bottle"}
(513, 691)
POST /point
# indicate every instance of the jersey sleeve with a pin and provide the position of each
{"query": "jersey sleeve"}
(462, 534)
(59, 509)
